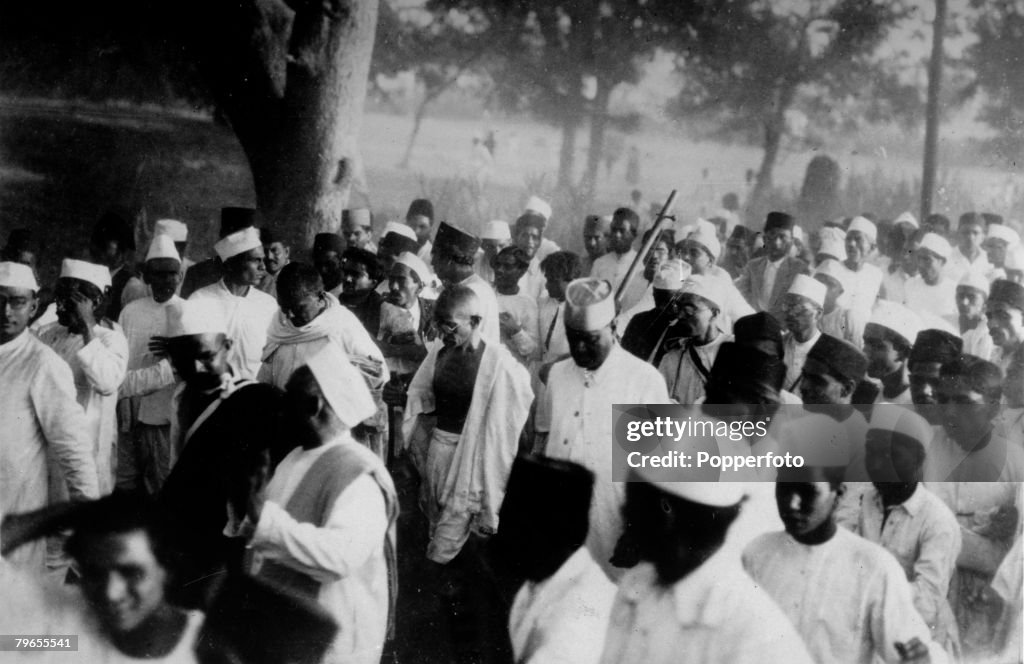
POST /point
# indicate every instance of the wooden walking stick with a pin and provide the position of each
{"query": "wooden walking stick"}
(662, 220)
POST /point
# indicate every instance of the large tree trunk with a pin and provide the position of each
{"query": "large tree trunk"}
(292, 80)
(595, 150)
(763, 183)
(567, 154)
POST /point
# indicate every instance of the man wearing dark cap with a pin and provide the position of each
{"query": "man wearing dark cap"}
(528, 234)
(595, 239)
(833, 369)
(737, 251)
(453, 256)
(113, 244)
(763, 332)
(1005, 313)
(931, 351)
(207, 272)
(327, 252)
(420, 217)
(766, 279)
(562, 608)
(276, 254)
(357, 229)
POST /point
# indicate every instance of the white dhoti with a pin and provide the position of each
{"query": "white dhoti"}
(448, 530)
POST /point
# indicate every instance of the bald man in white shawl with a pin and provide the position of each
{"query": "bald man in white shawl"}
(309, 319)
(466, 408)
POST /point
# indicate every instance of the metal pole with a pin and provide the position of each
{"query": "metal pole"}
(931, 132)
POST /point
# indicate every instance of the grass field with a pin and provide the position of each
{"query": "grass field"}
(61, 166)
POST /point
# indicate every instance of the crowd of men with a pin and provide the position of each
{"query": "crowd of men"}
(198, 460)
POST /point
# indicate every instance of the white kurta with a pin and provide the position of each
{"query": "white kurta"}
(399, 320)
(715, 615)
(848, 598)
(98, 369)
(551, 330)
(523, 308)
(796, 356)
(41, 416)
(864, 285)
(845, 324)
(577, 417)
(563, 619)
(958, 265)
(612, 267)
(923, 535)
(346, 556)
(142, 320)
(248, 318)
(978, 342)
(938, 300)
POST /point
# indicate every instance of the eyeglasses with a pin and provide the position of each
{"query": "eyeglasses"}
(448, 328)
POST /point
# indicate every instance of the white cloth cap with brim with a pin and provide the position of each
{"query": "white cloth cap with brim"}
(17, 275)
(896, 318)
(342, 385)
(936, 244)
(670, 276)
(712, 494)
(1014, 258)
(831, 267)
(865, 227)
(496, 230)
(237, 243)
(177, 230)
(97, 275)
(162, 246)
(589, 305)
(810, 288)
(189, 317)
(400, 228)
(833, 242)
(414, 263)
(683, 231)
(906, 218)
(976, 280)
(538, 205)
(707, 236)
(1004, 233)
(708, 289)
(898, 419)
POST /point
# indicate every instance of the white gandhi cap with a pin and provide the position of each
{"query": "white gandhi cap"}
(936, 245)
(17, 275)
(538, 205)
(896, 318)
(190, 317)
(177, 230)
(97, 275)
(865, 227)
(342, 385)
(237, 243)
(496, 230)
(589, 305)
(414, 263)
(399, 228)
(810, 288)
(162, 246)
(1004, 233)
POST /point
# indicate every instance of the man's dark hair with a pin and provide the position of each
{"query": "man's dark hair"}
(116, 514)
(981, 376)
(936, 219)
(899, 344)
(299, 278)
(522, 260)
(367, 259)
(563, 265)
(627, 214)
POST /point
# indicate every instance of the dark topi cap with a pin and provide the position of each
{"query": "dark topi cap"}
(328, 242)
(450, 238)
(779, 220)
(1008, 292)
(935, 346)
(843, 359)
(234, 219)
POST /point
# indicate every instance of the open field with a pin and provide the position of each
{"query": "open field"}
(61, 167)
